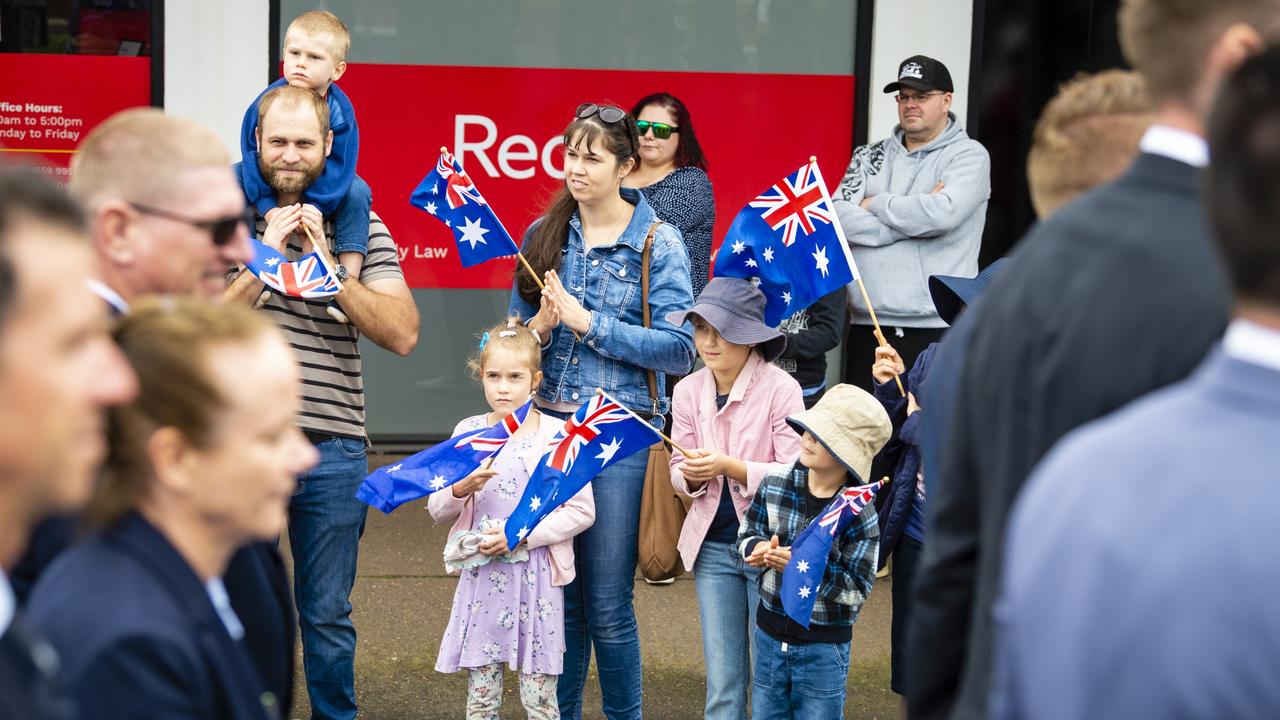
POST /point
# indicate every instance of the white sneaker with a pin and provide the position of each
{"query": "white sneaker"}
(668, 581)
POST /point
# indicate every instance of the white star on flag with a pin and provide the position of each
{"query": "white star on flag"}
(821, 258)
(535, 503)
(802, 566)
(786, 297)
(768, 254)
(609, 450)
(739, 247)
(523, 531)
(751, 262)
(804, 591)
(437, 482)
(395, 467)
(473, 233)
(430, 207)
(272, 262)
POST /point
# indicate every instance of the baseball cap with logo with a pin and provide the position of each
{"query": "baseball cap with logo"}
(922, 73)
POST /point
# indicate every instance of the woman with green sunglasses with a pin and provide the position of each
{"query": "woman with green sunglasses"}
(672, 175)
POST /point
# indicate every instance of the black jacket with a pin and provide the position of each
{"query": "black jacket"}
(810, 334)
(138, 634)
(1117, 294)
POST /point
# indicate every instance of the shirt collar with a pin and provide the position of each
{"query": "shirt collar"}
(111, 297)
(1175, 144)
(7, 603)
(1253, 343)
(222, 605)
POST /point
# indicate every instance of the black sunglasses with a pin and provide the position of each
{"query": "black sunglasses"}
(662, 131)
(608, 113)
(222, 230)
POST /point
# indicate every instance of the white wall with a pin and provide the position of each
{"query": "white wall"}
(215, 62)
(940, 29)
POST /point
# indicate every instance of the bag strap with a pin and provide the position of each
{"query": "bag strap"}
(650, 376)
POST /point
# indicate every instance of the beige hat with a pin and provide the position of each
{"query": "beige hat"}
(851, 424)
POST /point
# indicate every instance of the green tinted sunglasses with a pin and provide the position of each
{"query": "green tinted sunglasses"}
(662, 131)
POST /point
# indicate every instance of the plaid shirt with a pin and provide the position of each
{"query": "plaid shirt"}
(778, 509)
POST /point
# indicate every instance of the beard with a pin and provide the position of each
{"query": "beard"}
(289, 184)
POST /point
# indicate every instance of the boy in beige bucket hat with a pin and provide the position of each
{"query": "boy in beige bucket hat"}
(800, 671)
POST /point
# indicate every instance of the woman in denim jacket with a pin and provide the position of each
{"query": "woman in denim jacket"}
(588, 248)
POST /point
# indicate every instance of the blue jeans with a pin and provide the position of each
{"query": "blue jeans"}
(351, 219)
(804, 682)
(325, 524)
(727, 600)
(598, 607)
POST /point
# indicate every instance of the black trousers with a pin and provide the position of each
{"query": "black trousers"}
(860, 349)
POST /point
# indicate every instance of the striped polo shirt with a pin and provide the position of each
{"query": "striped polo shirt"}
(328, 351)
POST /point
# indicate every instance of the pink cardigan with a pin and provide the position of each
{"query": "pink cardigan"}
(555, 531)
(752, 427)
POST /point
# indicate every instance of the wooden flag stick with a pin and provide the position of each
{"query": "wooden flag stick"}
(323, 254)
(844, 244)
(672, 443)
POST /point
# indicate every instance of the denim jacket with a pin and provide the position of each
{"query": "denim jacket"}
(617, 349)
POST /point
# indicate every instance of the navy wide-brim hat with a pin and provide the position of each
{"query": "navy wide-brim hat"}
(951, 293)
(735, 308)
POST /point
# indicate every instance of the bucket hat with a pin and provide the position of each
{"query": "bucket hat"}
(735, 308)
(850, 423)
(952, 293)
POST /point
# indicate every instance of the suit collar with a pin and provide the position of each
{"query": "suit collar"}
(1164, 172)
(1245, 383)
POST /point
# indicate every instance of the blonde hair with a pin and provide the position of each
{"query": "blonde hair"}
(289, 96)
(142, 154)
(168, 341)
(512, 335)
(1086, 136)
(1167, 41)
(322, 22)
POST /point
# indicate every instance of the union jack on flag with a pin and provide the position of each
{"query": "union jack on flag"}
(794, 205)
(495, 437)
(306, 277)
(599, 434)
(477, 230)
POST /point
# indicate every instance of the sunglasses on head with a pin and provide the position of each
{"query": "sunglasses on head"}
(222, 230)
(662, 131)
(607, 113)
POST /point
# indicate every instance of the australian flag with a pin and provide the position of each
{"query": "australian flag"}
(788, 241)
(812, 547)
(448, 194)
(600, 433)
(307, 277)
(438, 467)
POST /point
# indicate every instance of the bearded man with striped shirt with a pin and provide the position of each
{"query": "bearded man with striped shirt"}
(325, 519)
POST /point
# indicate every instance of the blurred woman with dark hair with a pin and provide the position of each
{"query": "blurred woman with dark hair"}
(201, 463)
(672, 174)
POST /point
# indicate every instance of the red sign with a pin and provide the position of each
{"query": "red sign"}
(505, 126)
(48, 103)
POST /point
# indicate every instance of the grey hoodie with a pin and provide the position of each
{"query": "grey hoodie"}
(908, 232)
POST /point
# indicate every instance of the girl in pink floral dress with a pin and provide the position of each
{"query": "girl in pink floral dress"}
(509, 605)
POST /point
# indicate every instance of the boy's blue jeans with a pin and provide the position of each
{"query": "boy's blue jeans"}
(351, 219)
(800, 682)
(325, 524)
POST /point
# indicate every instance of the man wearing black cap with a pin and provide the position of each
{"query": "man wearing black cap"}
(911, 205)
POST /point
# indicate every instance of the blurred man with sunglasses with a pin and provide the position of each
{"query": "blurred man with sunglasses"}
(167, 217)
(912, 205)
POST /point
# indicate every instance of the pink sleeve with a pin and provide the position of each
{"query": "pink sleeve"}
(683, 432)
(786, 400)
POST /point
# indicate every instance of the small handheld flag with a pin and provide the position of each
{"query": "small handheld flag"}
(307, 277)
(449, 195)
(599, 434)
(811, 548)
(440, 466)
(788, 241)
